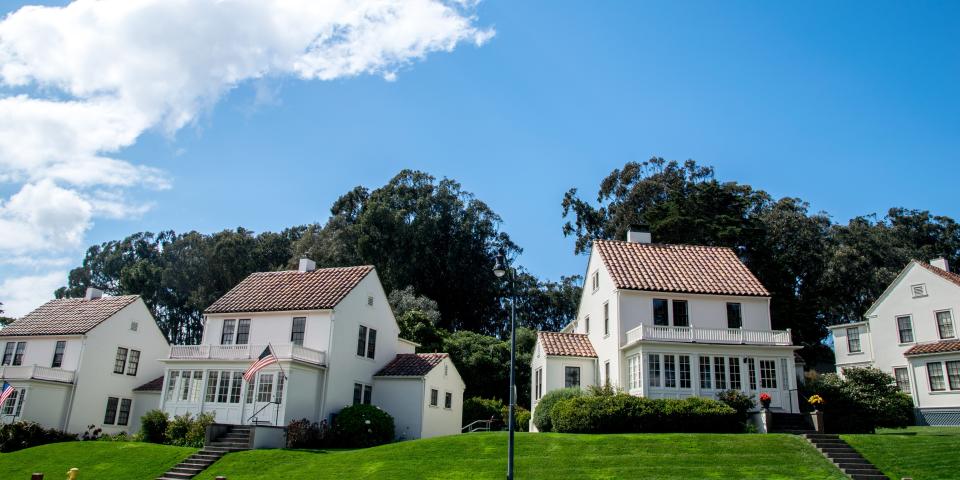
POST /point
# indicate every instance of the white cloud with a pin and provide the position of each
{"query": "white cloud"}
(21, 295)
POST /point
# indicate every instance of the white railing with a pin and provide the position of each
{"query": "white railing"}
(709, 335)
(246, 352)
(36, 372)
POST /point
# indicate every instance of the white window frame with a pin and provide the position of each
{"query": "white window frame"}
(434, 400)
(14, 403)
(447, 400)
(595, 279)
(579, 376)
(233, 333)
(943, 377)
(606, 319)
(906, 375)
(633, 372)
(366, 343)
(654, 370)
(896, 321)
(953, 326)
(850, 338)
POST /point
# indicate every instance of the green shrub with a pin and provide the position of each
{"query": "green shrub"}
(738, 401)
(306, 434)
(153, 426)
(186, 431)
(476, 408)
(866, 399)
(198, 430)
(622, 413)
(19, 435)
(363, 426)
(521, 417)
(541, 415)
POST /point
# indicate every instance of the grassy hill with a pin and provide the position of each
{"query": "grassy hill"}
(916, 452)
(96, 460)
(545, 456)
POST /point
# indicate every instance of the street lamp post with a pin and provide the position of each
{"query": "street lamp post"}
(500, 269)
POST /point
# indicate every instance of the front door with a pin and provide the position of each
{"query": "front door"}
(265, 399)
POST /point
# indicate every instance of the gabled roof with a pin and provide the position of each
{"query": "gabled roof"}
(68, 316)
(154, 385)
(411, 365)
(938, 347)
(320, 289)
(678, 268)
(948, 276)
(566, 344)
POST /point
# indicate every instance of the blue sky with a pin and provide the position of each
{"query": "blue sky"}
(852, 106)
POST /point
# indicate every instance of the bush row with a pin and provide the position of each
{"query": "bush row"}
(623, 413)
(19, 435)
(862, 401)
(183, 430)
(356, 426)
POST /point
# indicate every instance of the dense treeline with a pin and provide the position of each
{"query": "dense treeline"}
(434, 245)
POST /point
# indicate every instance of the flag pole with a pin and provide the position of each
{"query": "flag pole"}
(276, 414)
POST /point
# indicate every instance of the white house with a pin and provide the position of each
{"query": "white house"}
(910, 333)
(76, 361)
(424, 394)
(669, 321)
(332, 330)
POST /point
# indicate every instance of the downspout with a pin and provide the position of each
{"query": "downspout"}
(326, 373)
(76, 383)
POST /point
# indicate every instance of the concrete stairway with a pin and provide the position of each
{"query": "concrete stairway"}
(848, 460)
(236, 439)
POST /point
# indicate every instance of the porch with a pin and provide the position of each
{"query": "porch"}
(36, 372)
(691, 334)
(246, 352)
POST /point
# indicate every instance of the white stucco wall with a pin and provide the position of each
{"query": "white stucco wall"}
(274, 328)
(607, 345)
(554, 368)
(39, 350)
(304, 390)
(45, 404)
(928, 398)
(143, 402)
(402, 398)
(439, 420)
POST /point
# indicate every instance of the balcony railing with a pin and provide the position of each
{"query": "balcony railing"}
(36, 372)
(246, 352)
(735, 336)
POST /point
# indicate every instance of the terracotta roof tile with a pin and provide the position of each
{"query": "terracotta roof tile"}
(953, 277)
(566, 344)
(68, 316)
(411, 365)
(678, 268)
(154, 385)
(320, 289)
(938, 347)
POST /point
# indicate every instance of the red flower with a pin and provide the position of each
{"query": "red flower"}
(764, 397)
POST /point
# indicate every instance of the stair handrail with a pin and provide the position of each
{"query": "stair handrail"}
(485, 426)
(251, 417)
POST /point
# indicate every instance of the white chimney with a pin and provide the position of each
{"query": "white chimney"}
(307, 265)
(93, 293)
(639, 234)
(940, 263)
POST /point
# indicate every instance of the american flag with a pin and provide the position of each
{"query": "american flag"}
(5, 392)
(266, 358)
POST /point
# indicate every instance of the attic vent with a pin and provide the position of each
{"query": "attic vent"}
(370, 300)
(919, 290)
(134, 326)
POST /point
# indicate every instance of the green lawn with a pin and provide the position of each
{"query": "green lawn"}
(545, 456)
(919, 452)
(96, 460)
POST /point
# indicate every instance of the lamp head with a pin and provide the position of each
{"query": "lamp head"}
(500, 268)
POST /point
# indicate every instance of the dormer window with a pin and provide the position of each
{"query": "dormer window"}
(226, 334)
(734, 315)
(681, 315)
(918, 290)
(660, 313)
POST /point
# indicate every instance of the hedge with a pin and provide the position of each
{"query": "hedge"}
(622, 413)
(541, 414)
(864, 400)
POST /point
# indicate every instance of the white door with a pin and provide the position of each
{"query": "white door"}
(267, 400)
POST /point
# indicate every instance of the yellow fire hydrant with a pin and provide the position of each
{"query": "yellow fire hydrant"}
(73, 474)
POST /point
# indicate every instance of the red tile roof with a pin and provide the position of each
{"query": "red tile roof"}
(938, 347)
(411, 365)
(154, 385)
(678, 268)
(953, 277)
(320, 289)
(68, 316)
(566, 344)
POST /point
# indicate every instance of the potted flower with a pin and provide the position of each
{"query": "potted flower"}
(816, 401)
(765, 400)
(817, 415)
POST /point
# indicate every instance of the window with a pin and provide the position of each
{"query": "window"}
(223, 392)
(366, 342)
(133, 362)
(660, 312)
(752, 373)
(669, 371)
(434, 397)
(212, 386)
(935, 375)
(596, 281)
(8, 353)
(298, 330)
(120, 362)
(684, 371)
(953, 374)
(362, 394)
(571, 377)
(720, 372)
(18, 356)
(945, 324)
(903, 379)
(185, 386)
(243, 331)
(905, 326)
(281, 379)
(853, 340)
(134, 326)
(222, 386)
(124, 416)
(265, 388)
(250, 391)
(538, 384)
(633, 372)
(735, 373)
(680, 316)
(586, 324)
(918, 290)
(606, 372)
(734, 316)
(653, 366)
(58, 354)
(235, 386)
(14, 403)
(606, 319)
(705, 381)
(196, 386)
(172, 384)
(369, 300)
(447, 400)
(768, 374)
(226, 334)
(110, 416)
(367, 394)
